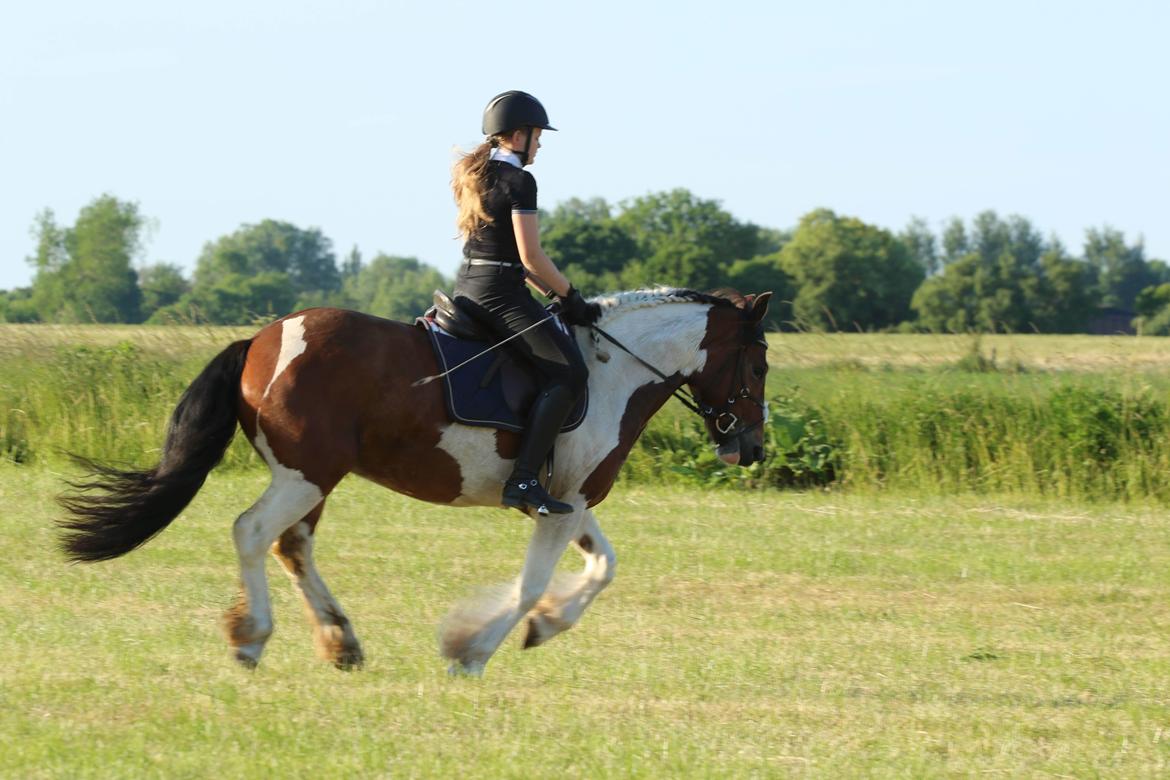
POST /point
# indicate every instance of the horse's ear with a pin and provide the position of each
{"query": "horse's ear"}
(759, 307)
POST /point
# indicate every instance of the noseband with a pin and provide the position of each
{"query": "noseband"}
(726, 422)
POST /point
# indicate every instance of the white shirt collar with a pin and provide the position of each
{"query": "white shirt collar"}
(506, 155)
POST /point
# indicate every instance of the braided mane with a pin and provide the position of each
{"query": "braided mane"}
(641, 299)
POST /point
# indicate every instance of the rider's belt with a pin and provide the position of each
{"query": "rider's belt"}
(485, 261)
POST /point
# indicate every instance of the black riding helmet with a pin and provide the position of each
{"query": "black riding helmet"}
(514, 110)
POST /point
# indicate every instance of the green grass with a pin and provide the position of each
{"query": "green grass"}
(746, 634)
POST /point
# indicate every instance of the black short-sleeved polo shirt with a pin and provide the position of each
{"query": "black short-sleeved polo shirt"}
(509, 190)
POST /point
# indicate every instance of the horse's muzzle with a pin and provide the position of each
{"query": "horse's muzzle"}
(736, 452)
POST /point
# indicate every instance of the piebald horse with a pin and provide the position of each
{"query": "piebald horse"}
(326, 392)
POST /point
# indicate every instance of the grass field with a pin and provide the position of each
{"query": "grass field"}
(747, 634)
(982, 591)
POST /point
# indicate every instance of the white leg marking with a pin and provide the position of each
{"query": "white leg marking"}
(562, 607)
(289, 497)
(473, 631)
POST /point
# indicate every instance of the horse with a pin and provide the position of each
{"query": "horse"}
(326, 392)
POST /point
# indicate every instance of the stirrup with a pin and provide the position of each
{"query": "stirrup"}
(529, 494)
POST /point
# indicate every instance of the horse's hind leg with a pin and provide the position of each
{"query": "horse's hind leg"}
(288, 498)
(332, 632)
(562, 606)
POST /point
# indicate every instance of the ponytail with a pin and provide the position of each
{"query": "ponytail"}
(468, 182)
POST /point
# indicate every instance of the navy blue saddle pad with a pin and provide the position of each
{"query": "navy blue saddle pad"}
(503, 400)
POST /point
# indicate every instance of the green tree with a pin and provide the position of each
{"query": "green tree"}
(1009, 279)
(849, 275)
(351, 265)
(685, 241)
(1064, 295)
(398, 288)
(162, 284)
(921, 244)
(954, 241)
(305, 256)
(1153, 308)
(1123, 269)
(84, 273)
(259, 272)
(17, 305)
(234, 299)
(763, 274)
(587, 243)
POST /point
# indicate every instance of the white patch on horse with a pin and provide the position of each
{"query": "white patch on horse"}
(292, 344)
(483, 471)
(667, 337)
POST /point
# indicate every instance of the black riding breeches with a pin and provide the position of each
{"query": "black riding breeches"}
(501, 301)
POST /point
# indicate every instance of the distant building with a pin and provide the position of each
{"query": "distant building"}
(1112, 321)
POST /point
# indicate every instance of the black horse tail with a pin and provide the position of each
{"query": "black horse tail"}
(114, 511)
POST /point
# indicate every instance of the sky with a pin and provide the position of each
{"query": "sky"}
(346, 115)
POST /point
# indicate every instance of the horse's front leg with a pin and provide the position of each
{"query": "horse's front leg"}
(560, 608)
(474, 629)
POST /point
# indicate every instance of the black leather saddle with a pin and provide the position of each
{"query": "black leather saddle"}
(458, 320)
(495, 389)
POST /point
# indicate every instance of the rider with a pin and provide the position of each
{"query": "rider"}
(498, 219)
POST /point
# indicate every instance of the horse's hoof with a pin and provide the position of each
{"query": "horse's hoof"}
(350, 660)
(472, 669)
(246, 661)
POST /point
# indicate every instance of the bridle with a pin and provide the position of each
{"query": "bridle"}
(726, 422)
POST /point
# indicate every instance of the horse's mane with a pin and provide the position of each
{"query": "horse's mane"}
(629, 300)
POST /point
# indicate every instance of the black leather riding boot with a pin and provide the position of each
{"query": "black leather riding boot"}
(544, 423)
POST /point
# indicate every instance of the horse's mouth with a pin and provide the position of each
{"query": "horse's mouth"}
(733, 453)
(728, 452)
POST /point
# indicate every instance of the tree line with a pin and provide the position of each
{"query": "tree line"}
(830, 271)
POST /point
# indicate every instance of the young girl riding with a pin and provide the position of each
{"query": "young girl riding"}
(498, 220)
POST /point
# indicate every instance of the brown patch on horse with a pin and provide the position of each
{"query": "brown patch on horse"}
(346, 404)
(257, 373)
(725, 336)
(238, 623)
(586, 543)
(290, 548)
(642, 405)
(507, 444)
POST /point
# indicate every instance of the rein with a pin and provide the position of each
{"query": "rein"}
(688, 399)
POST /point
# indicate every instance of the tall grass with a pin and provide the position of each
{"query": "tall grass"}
(990, 416)
(105, 392)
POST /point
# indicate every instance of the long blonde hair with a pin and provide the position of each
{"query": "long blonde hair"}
(469, 183)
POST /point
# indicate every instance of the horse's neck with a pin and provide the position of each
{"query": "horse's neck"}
(625, 394)
(667, 336)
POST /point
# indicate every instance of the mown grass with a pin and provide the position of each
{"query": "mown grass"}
(747, 634)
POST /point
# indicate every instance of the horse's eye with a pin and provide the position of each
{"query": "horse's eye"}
(759, 371)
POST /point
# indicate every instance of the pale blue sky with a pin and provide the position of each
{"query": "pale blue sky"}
(343, 115)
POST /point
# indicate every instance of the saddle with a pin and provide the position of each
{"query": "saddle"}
(493, 390)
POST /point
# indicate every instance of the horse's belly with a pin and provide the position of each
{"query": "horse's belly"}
(482, 470)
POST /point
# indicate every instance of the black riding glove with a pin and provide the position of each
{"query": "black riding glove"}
(575, 310)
